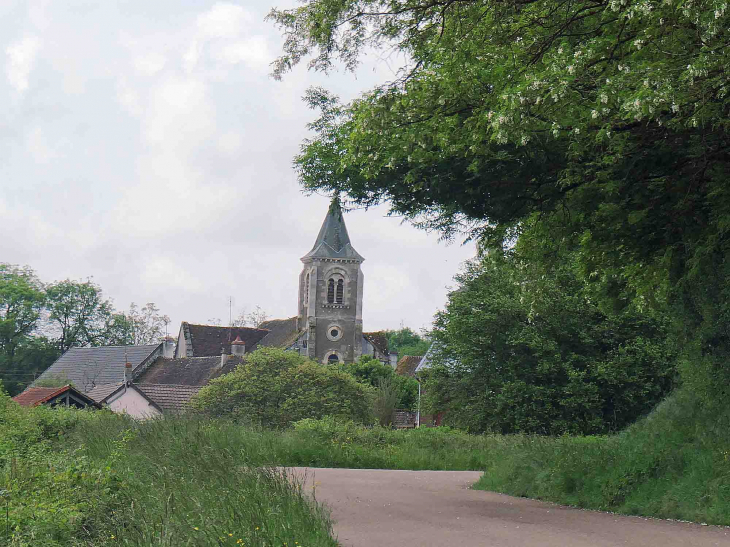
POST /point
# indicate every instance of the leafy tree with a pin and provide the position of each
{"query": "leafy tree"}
(522, 350)
(21, 303)
(406, 342)
(139, 326)
(78, 313)
(368, 370)
(600, 122)
(275, 387)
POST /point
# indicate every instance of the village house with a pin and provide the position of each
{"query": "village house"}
(153, 380)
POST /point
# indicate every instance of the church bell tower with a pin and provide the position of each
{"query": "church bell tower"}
(330, 293)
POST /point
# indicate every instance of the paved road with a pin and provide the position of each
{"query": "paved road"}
(377, 508)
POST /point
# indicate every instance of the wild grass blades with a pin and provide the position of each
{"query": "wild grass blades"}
(671, 464)
(186, 484)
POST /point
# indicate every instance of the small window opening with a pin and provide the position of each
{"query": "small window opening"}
(334, 333)
(340, 291)
(331, 291)
(333, 358)
(306, 291)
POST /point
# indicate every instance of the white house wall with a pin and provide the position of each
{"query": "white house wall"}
(135, 405)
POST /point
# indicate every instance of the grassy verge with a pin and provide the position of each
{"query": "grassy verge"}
(76, 478)
(673, 464)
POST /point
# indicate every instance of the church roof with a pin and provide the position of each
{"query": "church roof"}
(208, 340)
(283, 333)
(333, 240)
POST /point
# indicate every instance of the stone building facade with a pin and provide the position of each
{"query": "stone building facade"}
(330, 294)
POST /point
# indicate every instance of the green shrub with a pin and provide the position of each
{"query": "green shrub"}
(675, 463)
(274, 388)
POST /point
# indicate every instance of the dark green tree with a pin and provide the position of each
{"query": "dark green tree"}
(405, 341)
(523, 350)
(275, 388)
(369, 371)
(78, 313)
(601, 122)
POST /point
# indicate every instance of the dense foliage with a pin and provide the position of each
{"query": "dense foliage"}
(77, 478)
(530, 351)
(371, 372)
(274, 388)
(405, 341)
(601, 125)
(39, 321)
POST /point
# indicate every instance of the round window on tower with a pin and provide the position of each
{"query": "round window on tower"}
(334, 332)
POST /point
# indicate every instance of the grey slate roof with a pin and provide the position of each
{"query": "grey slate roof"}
(333, 240)
(87, 368)
(169, 397)
(186, 371)
(283, 333)
(210, 340)
(100, 393)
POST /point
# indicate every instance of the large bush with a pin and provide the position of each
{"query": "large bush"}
(372, 372)
(274, 387)
(532, 351)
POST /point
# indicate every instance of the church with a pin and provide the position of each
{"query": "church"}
(146, 381)
(328, 326)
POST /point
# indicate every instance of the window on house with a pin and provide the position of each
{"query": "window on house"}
(340, 291)
(331, 291)
(333, 358)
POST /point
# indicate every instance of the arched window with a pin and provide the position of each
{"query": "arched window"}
(333, 359)
(306, 291)
(340, 291)
(331, 291)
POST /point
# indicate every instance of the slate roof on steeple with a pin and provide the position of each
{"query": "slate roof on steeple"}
(333, 240)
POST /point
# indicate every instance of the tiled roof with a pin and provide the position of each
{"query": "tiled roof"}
(186, 371)
(34, 396)
(333, 240)
(169, 397)
(379, 340)
(100, 393)
(407, 365)
(87, 368)
(283, 333)
(426, 360)
(209, 340)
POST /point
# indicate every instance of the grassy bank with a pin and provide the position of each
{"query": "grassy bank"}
(73, 478)
(673, 464)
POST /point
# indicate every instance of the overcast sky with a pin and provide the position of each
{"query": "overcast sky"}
(144, 144)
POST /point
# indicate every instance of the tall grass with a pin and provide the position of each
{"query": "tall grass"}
(673, 464)
(185, 482)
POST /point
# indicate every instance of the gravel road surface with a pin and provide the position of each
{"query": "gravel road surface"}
(382, 508)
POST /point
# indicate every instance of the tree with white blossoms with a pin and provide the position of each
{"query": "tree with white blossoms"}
(602, 123)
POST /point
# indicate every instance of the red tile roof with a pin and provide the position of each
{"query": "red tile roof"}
(34, 396)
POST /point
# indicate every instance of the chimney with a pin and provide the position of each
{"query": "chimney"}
(238, 346)
(224, 357)
(393, 357)
(127, 371)
(168, 347)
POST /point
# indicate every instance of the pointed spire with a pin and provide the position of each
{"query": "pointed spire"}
(333, 240)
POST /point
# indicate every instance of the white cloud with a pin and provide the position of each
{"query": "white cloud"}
(253, 52)
(38, 146)
(150, 63)
(21, 57)
(223, 20)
